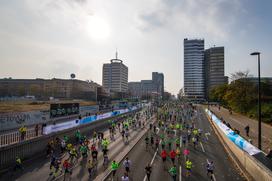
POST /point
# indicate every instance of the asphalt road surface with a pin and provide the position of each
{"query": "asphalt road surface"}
(209, 149)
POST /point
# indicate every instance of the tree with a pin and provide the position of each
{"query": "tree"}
(239, 75)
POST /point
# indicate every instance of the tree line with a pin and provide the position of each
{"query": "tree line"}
(241, 95)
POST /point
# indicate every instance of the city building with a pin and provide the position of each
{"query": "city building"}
(134, 89)
(214, 68)
(146, 88)
(115, 76)
(44, 89)
(158, 80)
(194, 70)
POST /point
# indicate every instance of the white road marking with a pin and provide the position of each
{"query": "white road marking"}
(206, 136)
(152, 160)
(212, 174)
(202, 146)
(180, 173)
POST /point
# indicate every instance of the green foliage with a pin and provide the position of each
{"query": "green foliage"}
(241, 96)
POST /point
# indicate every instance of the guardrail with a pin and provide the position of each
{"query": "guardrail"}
(15, 137)
(247, 158)
(36, 147)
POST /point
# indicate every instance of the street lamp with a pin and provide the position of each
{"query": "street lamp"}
(259, 102)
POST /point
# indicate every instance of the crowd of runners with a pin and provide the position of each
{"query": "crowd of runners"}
(65, 153)
(172, 135)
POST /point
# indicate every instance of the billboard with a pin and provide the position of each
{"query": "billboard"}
(63, 109)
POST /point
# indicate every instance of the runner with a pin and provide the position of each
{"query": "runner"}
(148, 170)
(127, 164)
(164, 155)
(114, 167)
(84, 151)
(125, 177)
(157, 142)
(172, 155)
(173, 172)
(210, 168)
(146, 141)
(94, 154)
(105, 161)
(91, 168)
(67, 168)
(188, 166)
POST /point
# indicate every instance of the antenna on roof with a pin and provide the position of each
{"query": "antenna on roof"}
(116, 54)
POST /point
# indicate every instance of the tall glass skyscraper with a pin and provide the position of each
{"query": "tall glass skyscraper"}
(194, 69)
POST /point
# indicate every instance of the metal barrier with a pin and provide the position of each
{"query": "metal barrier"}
(15, 137)
(31, 148)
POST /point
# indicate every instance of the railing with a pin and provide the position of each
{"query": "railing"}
(16, 137)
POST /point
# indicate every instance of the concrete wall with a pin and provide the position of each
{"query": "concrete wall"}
(37, 147)
(251, 165)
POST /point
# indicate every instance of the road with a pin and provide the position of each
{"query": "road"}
(208, 149)
(39, 169)
(211, 150)
(239, 122)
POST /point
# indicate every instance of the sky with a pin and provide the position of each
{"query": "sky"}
(54, 38)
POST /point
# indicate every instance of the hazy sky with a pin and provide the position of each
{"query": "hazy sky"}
(53, 38)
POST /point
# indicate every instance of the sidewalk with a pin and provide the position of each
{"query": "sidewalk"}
(239, 122)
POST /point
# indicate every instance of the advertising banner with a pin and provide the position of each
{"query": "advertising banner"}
(235, 138)
(70, 124)
(60, 126)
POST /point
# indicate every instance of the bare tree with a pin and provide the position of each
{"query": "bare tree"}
(239, 75)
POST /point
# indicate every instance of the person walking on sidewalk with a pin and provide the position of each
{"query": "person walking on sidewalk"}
(247, 130)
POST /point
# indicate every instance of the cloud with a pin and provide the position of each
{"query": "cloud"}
(213, 18)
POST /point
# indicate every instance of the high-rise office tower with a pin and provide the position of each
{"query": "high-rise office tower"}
(214, 68)
(158, 80)
(194, 70)
(115, 76)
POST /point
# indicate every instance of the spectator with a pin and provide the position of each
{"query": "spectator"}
(247, 130)
(37, 130)
(22, 131)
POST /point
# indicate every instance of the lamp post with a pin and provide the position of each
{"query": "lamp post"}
(259, 102)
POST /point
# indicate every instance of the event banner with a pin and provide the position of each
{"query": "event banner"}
(235, 138)
(70, 124)
(60, 126)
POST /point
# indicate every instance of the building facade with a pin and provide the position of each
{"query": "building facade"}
(135, 89)
(115, 76)
(194, 70)
(146, 88)
(46, 88)
(214, 68)
(158, 80)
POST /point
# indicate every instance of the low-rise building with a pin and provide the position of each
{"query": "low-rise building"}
(46, 88)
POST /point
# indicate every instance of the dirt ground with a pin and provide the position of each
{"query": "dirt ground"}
(23, 106)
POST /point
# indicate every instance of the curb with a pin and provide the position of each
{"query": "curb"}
(122, 158)
(228, 151)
